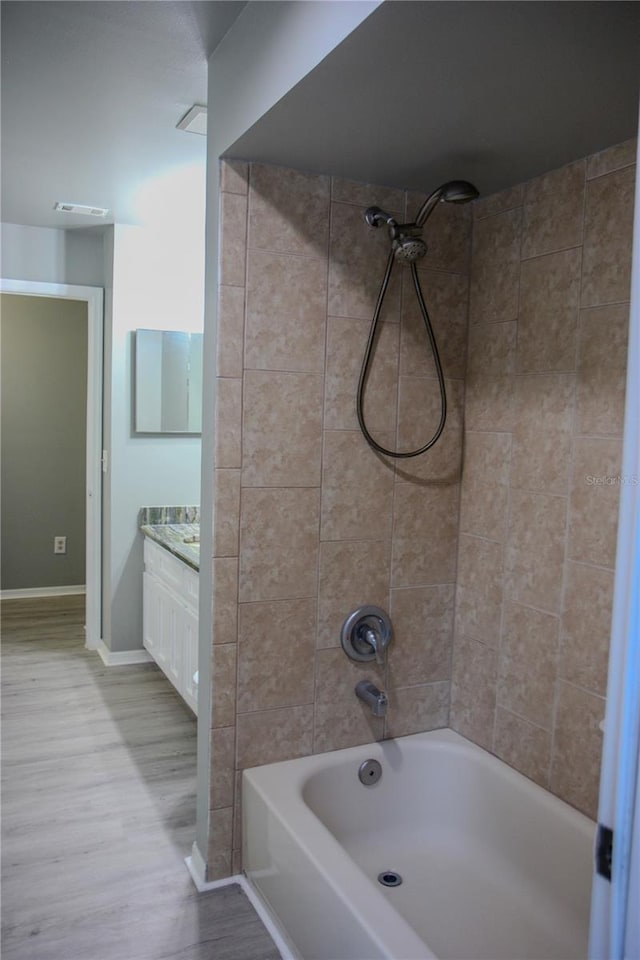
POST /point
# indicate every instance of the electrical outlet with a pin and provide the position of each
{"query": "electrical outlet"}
(59, 544)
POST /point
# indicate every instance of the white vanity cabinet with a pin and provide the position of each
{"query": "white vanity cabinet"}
(170, 618)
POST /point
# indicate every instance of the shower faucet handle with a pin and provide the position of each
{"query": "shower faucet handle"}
(366, 635)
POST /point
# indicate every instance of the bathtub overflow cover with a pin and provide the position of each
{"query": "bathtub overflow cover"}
(389, 878)
(369, 772)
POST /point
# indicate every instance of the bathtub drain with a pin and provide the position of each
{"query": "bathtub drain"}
(389, 878)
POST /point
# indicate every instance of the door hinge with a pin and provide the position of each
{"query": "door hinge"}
(604, 851)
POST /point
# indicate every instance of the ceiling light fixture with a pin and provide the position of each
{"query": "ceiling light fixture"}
(194, 120)
(81, 208)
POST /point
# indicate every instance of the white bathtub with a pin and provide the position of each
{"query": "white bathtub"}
(493, 867)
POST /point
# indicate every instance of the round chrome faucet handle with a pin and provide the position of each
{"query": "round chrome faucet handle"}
(366, 634)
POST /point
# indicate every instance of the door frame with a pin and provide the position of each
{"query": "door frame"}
(93, 297)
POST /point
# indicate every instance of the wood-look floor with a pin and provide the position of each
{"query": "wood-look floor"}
(99, 807)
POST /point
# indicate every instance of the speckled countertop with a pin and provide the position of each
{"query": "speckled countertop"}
(177, 529)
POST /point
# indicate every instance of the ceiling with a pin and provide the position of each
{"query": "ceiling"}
(91, 94)
(421, 92)
(493, 92)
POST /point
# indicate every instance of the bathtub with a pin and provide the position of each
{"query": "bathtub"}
(492, 866)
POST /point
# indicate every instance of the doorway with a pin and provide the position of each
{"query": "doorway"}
(93, 297)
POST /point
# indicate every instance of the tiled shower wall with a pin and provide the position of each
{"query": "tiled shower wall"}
(309, 522)
(548, 319)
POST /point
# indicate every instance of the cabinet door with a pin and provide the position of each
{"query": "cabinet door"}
(189, 646)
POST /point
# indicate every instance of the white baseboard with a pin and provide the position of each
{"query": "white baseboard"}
(121, 658)
(33, 592)
(196, 867)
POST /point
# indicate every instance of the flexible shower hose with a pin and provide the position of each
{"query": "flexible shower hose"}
(364, 372)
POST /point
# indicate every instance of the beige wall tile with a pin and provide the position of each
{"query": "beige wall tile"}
(345, 723)
(586, 626)
(223, 755)
(548, 319)
(416, 709)
(425, 528)
(485, 479)
(225, 600)
(595, 493)
(367, 194)
(606, 268)
(357, 489)
(575, 767)
(553, 213)
(226, 509)
(492, 349)
(230, 333)
(445, 296)
(358, 255)
(282, 429)
(233, 233)
(528, 663)
(272, 735)
(286, 312)
(228, 430)
(288, 211)
(495, 268)
(498, 202)
(422, 620)
(219, 852)
(489, 403)
(271, 635)
(479, 589)
(337, 676)
(535, 549)
(346, 341)
(602, 366)
(613, 158)
(523, 746)
(540, 458)
(234, 176)
(447, 234)
(419, 413)
(223, 683)
(473, 691)
(352, 573)
(279, 544)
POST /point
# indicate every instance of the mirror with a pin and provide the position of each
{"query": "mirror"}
(168, 382)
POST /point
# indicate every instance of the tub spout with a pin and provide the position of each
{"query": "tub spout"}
(374, 698)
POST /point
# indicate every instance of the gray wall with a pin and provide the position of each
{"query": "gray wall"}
(147, 286)
(52, 256)
(44, 387)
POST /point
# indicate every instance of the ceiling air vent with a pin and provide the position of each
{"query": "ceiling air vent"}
(82, 209)
(194, 121)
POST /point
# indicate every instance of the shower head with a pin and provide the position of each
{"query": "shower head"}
(408, 249)
(459, 191)
(454, 191)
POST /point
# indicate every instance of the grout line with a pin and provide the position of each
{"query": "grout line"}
(553, 252)
(504, 599)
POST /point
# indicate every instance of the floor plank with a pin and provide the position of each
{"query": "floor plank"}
(98, 779)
